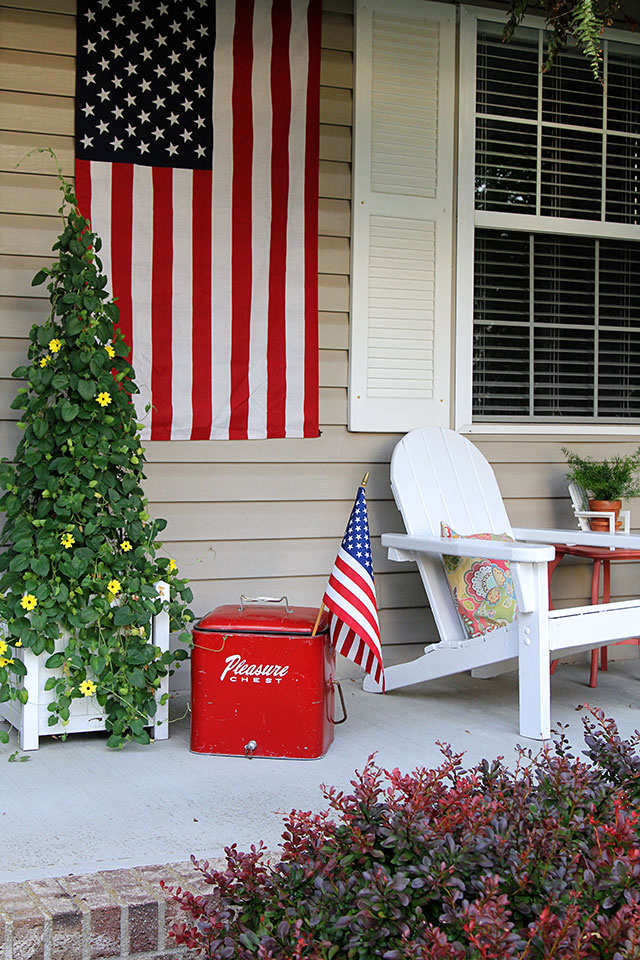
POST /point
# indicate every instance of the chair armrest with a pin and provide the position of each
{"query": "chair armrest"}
(587, 538)
(466, 547)
(602, 514)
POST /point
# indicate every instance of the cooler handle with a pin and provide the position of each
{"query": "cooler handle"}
(336, 683)
(244, 600)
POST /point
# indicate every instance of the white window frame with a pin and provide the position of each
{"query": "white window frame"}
(469, 218)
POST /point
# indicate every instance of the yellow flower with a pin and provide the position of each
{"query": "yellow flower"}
(28, 602)
(126, 546)
(45, 360)
(3, 647)
(67, 540)
(172, 565)
(104, 399)
(5, 660)
(110, 350)
(18, 643)
(54, 345)
(114, 587)
(87, 688)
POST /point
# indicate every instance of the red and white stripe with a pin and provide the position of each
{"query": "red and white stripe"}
(354, 626)
(216, 271)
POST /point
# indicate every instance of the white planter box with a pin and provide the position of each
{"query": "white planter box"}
(31, 720)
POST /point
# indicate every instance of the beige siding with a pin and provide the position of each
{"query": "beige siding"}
(261, 517)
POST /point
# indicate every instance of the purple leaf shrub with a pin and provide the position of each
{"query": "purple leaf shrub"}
(539, 862)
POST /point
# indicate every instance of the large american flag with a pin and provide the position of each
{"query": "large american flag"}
(197, 163)
(351, 596)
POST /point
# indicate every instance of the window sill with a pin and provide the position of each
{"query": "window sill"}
(588, 430)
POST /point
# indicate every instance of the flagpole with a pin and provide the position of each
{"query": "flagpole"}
(363, 484)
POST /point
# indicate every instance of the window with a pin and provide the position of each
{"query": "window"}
(550, 219)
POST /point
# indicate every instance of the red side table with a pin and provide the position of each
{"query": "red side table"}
(601, 557)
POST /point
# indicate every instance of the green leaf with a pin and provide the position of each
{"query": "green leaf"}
(87, 389)
(40, 565)
(74, 325)
(123, 616)
(137, 678)
(97, 665)
(50, 683)
(23, 696)
(40, 427)
(60, 381)
(18, 668)
(89, 615)
(40, 277)
(69, 411)
(143, 738)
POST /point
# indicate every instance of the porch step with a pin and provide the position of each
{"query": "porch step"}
(113, 913)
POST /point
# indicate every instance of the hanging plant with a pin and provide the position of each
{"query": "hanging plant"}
(584, 21)
(81, 555)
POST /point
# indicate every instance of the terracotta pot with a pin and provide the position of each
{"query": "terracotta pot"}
(602, 523)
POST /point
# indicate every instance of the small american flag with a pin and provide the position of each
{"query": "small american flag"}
(351, 596)
(197, 128)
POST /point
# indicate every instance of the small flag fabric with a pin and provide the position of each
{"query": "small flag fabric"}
(197, 126)
(350, 596)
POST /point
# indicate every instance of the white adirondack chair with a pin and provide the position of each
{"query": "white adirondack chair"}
(580, 504)
(438, 475)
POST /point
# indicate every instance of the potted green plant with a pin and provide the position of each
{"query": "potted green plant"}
(606, 482)
(81, 564)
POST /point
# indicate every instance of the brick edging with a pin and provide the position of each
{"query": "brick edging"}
(114, 913)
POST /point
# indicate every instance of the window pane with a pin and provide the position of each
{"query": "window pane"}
(623, 88)
(623, 179)
(563, 372)
(619, 373)
(575, 333)
(505, 166)
(507, 72)
(564, 280)
(500, 371)
(570, 94)
(619, 284)
(571, 174)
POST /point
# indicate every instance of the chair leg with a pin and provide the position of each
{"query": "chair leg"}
(595, 590)
(550, 568)
(593, 675)
(533, 660)
(606, 598)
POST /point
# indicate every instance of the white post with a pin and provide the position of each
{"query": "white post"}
(30, 722)
(160, 626)
(533, 655)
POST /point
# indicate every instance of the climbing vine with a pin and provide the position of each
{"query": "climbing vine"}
(582, 21)
(81, 559)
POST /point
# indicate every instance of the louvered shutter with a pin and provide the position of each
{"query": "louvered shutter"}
(399, 371)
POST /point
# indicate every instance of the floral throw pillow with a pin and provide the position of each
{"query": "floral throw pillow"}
(482, 590)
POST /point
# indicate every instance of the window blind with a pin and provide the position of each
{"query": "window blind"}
(556, 316)
(557, 326)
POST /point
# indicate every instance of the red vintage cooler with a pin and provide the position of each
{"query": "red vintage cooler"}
(261, 685)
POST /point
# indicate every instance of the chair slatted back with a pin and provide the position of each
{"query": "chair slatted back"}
(438, 475)
(579, 501)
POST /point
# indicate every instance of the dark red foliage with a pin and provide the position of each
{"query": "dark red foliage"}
(541, 862)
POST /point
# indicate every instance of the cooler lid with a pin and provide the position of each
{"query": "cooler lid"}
(264, 618)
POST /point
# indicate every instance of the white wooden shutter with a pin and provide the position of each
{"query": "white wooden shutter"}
(399, 363)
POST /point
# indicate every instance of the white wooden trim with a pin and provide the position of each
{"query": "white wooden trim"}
(367, 411)
(31, 720)
(469, 219)
(590, 431)
(531, 223)
(465, 230)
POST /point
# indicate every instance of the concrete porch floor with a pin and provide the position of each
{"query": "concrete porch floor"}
(77, 807)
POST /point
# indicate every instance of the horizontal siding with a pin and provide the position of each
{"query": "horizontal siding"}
(261, 518)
